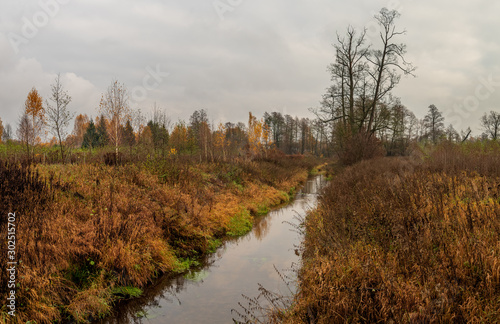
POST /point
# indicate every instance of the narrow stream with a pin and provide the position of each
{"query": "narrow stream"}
(208, 293)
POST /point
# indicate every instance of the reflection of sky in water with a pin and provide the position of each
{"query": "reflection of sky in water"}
(208, 294)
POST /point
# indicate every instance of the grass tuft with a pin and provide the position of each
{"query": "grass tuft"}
(240, 224)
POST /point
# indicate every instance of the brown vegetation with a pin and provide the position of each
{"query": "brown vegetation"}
(360, 146)
(85, 230)
(406, 241)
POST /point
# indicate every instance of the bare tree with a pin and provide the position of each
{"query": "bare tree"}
(434, 123)
(388, 61)
(451, 134)
(58, 115)
(363, 75)
(412, 129)
(138, 121)
(491, 124)
(114, 106)
(401, 126)
(7, 133)
(349, 69)
(25, 132)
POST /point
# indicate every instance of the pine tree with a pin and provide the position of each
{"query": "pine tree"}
(128, 135)
(102, 132)
(90, 138)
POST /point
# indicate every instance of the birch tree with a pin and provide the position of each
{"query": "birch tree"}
(114, 106)
(58, 115)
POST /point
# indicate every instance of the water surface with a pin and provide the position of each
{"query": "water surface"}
(208, 293)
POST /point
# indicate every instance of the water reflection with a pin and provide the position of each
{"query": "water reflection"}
(208, 293)
(262, 227)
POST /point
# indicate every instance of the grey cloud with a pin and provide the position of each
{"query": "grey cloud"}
(262, 56)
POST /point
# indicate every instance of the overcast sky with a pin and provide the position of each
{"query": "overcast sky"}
(235, 56)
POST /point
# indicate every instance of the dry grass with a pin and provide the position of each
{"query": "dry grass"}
(87, 229)
(402, 241)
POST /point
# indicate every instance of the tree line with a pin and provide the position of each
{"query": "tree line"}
(118, 126)
(358, 116)
(396, 128)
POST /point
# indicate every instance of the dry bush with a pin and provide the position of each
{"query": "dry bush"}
(395, 241)
(358, 147)
(481, 157)
(278, 171)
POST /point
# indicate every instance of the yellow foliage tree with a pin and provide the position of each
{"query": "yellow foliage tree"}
(34, 109)
(266, 134)
(255, 131)
(34, 120)
(146, 136)
(179, 137)
(81, 124)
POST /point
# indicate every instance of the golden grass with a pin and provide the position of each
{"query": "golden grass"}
(401, 241)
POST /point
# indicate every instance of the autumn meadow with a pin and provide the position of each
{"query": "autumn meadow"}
(96, 208)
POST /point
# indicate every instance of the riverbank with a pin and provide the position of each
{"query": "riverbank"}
(216, 290)
(91, 234)
(400, 240)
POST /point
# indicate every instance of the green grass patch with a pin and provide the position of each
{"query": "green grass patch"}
(238, 186)
(213, 244)
(82, 274)
(284, 196)
(126, 292)
(183, 264)
(262, 210)
(240, 224)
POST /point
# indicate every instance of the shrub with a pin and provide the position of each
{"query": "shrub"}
(358, 147)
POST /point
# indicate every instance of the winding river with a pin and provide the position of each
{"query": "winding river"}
(209, 293)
